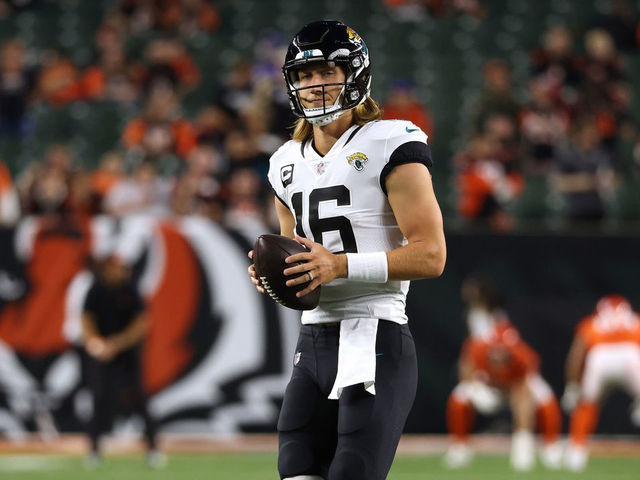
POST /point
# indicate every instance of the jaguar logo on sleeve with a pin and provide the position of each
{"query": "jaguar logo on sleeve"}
(286, 174)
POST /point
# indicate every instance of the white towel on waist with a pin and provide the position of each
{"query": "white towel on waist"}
(356, 355)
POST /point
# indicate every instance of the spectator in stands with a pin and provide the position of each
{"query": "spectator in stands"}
(497, 368)
(486, 185)
(212, 124)
(144, 192)
(113, 78)
(44, 186)
(9, 200)
(503, 129)
(17, 83)
(621, 22)
(236, 93)
(269, 88)
(58, 81)
(584, 172)
(604, 91)
(243, 152)
(605, 352)
(496, 95)
(244, 193)
(114, 326)
(173, 16)
(168, 64)
(112, 32)
(110, 171)
(161, 129)
(257, 122)
(544, 124)
(82, 200)
(402, 103)
(636, 157)
(558, 64)
(407, 9)
(198, 189)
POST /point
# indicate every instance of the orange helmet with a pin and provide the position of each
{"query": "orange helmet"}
(613, 303)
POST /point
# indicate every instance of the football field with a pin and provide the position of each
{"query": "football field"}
(261, 466)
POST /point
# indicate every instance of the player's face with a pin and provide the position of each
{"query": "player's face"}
(315, 80)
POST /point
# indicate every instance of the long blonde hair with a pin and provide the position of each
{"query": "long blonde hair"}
(366, 112)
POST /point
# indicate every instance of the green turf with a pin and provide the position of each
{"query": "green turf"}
(262, 467)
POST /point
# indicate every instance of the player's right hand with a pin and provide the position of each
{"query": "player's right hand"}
(485, 399)
(252, 274)
(570, 397)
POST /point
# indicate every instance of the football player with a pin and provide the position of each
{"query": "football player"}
(605, 352)
(497, 368)
(357, 192)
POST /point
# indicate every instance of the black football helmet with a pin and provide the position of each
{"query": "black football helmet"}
(332, 42)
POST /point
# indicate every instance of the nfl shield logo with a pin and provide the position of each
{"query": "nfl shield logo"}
(296, 358)
(320, 167)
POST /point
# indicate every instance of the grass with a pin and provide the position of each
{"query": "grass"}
(263, 467)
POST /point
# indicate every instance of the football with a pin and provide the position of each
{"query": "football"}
(269, 253)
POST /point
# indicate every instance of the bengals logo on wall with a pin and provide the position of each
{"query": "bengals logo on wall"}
(211, 334)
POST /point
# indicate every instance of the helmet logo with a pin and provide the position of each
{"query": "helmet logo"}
(357, 160)
(353, 35)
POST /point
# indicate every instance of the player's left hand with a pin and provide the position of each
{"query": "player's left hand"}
(320, 265)
(109, 351)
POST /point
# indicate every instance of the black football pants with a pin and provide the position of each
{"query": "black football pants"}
(355, 437)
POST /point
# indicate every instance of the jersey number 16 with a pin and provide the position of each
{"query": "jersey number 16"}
(341, 195)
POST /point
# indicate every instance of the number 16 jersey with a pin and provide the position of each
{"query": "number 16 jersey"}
(340, 201)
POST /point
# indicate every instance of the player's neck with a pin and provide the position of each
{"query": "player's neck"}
(326, 136)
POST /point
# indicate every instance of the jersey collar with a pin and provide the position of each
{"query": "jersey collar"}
(310, 153)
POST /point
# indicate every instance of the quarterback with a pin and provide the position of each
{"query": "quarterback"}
(357, 191)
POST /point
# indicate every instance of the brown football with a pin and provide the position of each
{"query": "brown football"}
(269, 253)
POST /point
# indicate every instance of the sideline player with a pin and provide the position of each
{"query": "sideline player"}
(357, 192)
(605, 352)
(497, 368)
(114, 325)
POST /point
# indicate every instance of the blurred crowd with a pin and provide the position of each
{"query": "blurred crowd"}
(568, 133)
(212, 164)
(569, 146)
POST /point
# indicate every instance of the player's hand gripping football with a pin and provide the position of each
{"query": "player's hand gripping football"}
(321, 266)
(252, 275)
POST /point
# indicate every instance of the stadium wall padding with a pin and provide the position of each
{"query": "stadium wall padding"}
(219, 354)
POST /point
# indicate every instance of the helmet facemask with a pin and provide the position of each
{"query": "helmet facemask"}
(338, 47)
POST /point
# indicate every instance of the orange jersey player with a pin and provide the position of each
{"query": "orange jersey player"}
(497, 368)
(502, 358)
(605, 352)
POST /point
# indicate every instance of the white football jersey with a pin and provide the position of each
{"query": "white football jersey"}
(338, 200)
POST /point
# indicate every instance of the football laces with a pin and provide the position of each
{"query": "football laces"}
(269, 290)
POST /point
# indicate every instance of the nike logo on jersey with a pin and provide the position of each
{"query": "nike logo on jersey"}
(409, 130)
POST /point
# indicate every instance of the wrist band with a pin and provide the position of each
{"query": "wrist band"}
(368, 267)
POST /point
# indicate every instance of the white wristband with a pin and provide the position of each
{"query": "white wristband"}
(368, 267)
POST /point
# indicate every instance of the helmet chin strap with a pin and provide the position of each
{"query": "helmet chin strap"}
(325, 119)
